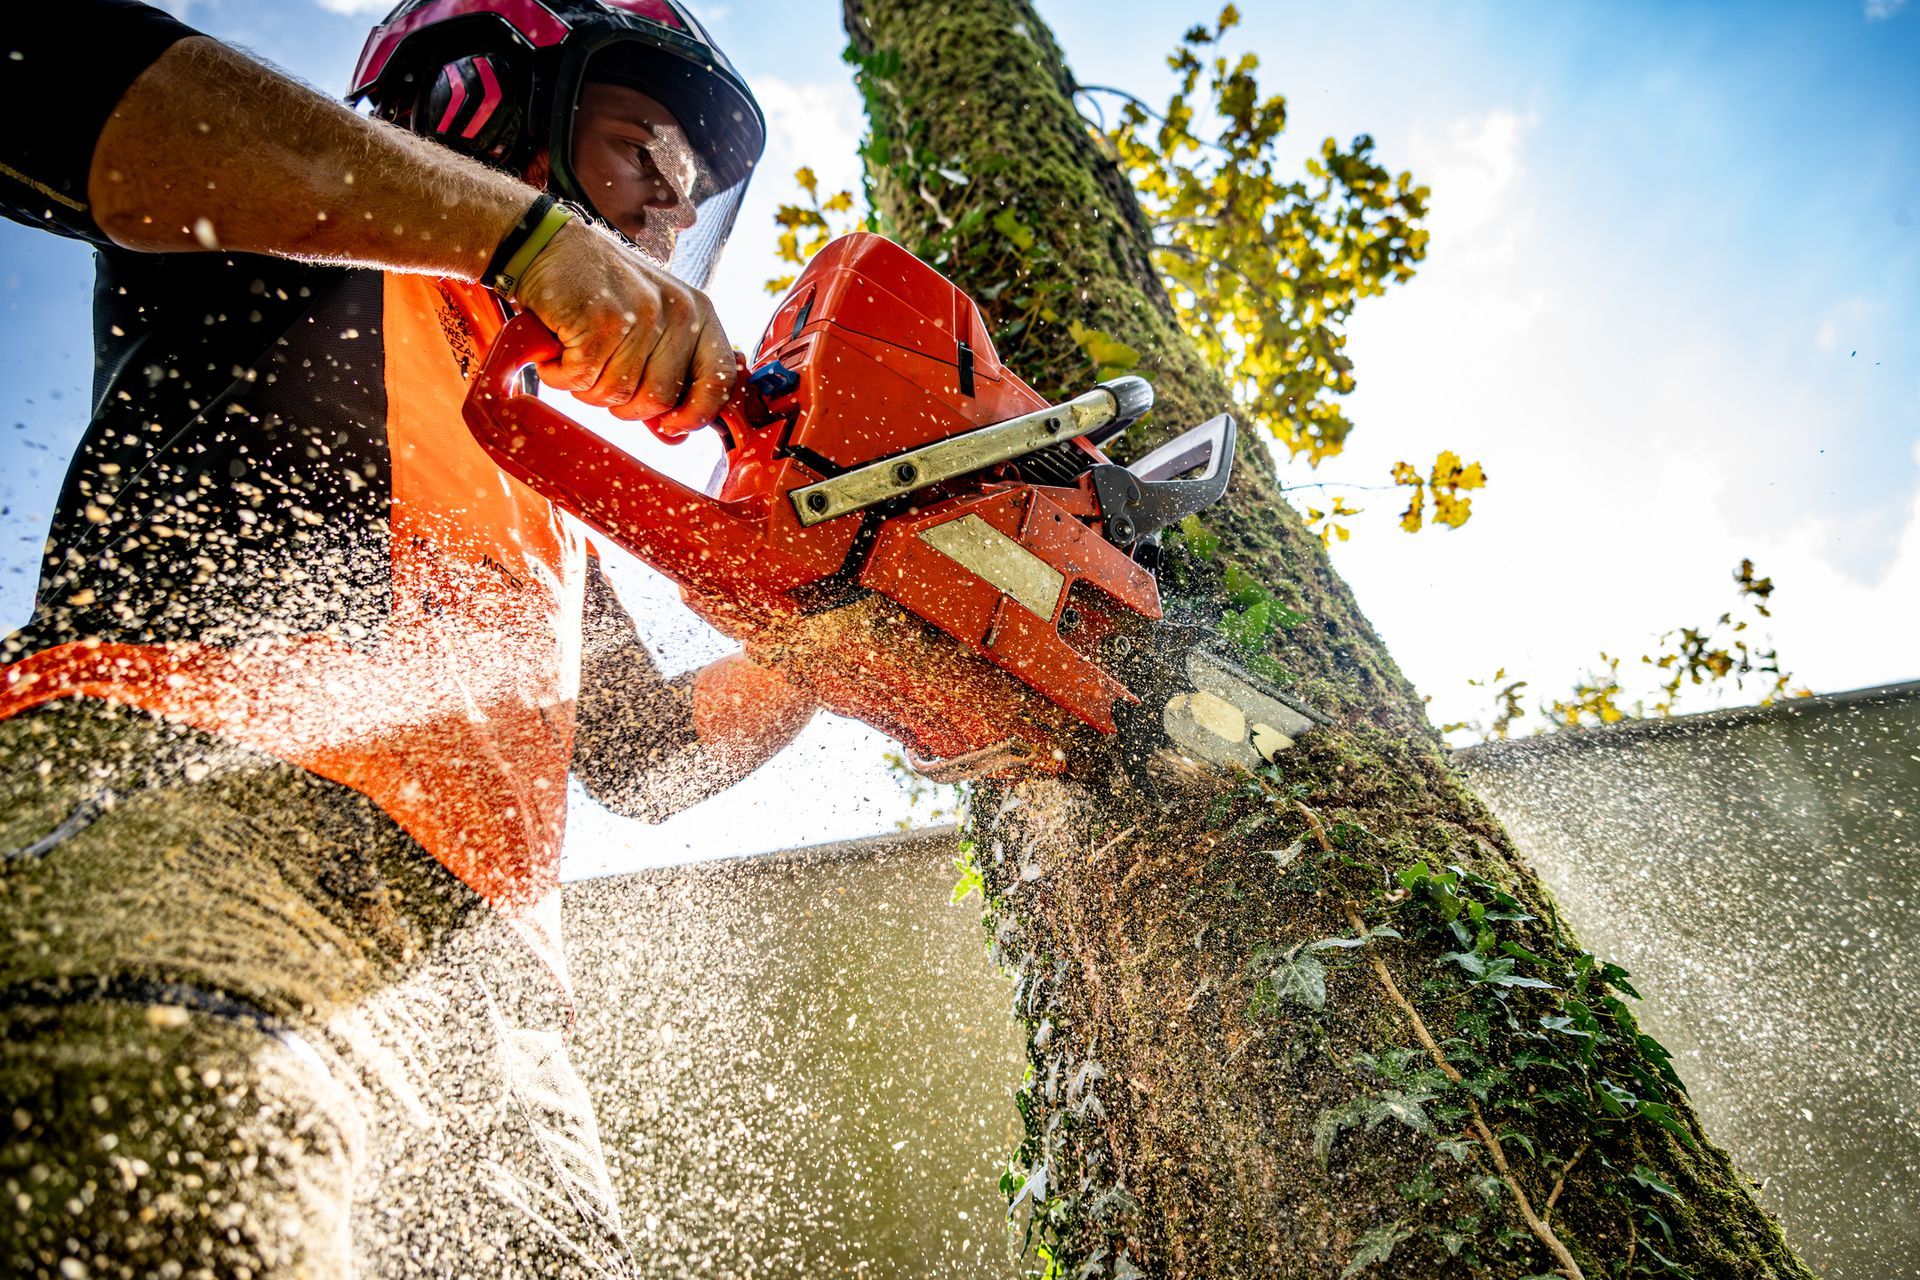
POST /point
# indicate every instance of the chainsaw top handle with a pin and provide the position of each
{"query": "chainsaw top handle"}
(526, 340)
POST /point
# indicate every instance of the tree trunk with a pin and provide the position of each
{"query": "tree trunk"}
(1235, 1070)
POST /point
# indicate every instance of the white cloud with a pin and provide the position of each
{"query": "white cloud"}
(816, 123)
(1881, 10)
(1475, 168)
(1481, 213)
(355, 6)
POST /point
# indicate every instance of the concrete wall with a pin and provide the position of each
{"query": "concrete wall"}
(804, 1064)
(1759, 875)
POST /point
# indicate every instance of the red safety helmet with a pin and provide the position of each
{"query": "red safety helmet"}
(500, 79)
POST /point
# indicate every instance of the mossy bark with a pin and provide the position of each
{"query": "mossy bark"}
(1196, 1107)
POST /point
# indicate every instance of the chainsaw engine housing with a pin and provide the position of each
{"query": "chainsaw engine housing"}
(902, 526)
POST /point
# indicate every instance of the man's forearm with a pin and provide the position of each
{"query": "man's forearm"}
(209, 149)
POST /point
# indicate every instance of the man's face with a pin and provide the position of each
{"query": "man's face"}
(633, 161)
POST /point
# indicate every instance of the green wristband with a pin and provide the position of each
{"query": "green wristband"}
(506, 281)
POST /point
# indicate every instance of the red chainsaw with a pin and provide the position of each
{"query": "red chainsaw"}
(911, 533)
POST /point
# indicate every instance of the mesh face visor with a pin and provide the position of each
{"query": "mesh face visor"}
(671, 181)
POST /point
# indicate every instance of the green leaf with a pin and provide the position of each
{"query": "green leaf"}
(1328, 1124)
(1016, 231)
(1505, 979)
(1301, 979)
(1652, 1181)
(970, 881)
(1375, 1246)
(1403, 1107)
(1106, 351)
(1378, 931)
(1665, 1116)
(1200, 540)
(1421, 1188)
(1249, 627)
(1248, 825)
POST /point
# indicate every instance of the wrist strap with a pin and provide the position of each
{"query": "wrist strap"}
(536, 228)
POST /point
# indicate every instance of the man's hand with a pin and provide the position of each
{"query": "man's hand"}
(637, 342)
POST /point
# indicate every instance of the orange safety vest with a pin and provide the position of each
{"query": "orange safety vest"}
(457, 718)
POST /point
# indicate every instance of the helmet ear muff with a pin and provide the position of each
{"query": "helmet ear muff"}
(471, 104)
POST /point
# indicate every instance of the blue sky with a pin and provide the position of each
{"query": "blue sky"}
(1672, 303)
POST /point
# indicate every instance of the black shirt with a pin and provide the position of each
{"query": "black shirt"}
(66, 66)
(233, 478)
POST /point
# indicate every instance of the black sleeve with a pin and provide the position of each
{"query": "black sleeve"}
(66, 66)
(634, 745)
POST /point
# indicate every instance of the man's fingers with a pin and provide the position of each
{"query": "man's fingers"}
(621, 375)
(589, 349)
(663, 384)
(709, 379)
(635, 340)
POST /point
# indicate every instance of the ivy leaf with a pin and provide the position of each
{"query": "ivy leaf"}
(1345, 944)
(1652, 1181)
(1404, 1107)
(1375, 1246)
(1242, 587)
(1248, 627)
(1665, 1116)
(1506, 979)
(1200, 540)
(1019, 234)
(1106, 351)
(1301, 979)
(1035, 1186)
(1421, 1188)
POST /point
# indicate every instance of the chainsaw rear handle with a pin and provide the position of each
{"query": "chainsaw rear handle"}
(696, 540)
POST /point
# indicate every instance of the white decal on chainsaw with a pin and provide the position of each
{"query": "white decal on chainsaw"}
(992, 556)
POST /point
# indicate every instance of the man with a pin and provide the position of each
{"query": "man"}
(284, 749)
